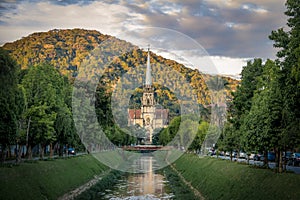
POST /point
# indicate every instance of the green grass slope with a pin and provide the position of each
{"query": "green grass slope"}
(219, 179)
(47, 179)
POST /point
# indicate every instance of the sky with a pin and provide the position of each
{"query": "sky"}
(230, 32)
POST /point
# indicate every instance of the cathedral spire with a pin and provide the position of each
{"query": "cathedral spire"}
(148, 72)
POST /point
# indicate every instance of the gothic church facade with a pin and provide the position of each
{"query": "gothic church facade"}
(150, 116)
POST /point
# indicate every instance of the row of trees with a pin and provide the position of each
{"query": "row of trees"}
(35, 108)
(264, 114)
(186, 132)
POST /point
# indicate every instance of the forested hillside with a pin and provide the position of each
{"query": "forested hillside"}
(66, 50)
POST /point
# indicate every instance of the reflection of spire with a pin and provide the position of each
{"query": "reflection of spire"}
(148, 72)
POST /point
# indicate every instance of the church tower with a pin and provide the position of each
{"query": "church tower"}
(150, 116)
(148, 102)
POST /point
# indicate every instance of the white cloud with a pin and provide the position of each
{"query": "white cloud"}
(207, 64)
(223, 3)
(254, 8)
(43, 16)
(229, 66)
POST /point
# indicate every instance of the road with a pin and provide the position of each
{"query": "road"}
(272, 165)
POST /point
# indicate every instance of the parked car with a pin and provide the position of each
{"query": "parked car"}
(251, 156)
(271, 156)
(71, 151)
(296, 159)
(211, 152)
(234, 154)
(258, 157)
(287, 156)
(242, 154)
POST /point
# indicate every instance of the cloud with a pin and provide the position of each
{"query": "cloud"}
(229, 66)
(43, 16)
(233, 28)
(225, 28)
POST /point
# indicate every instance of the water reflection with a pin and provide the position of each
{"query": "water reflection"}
(144, 185)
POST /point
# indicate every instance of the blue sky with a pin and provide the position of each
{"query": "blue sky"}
(231, 31)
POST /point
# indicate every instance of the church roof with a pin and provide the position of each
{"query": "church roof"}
(134, 113)
(159, 113)
(148, 71)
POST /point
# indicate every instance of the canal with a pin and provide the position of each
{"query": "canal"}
(146, 183)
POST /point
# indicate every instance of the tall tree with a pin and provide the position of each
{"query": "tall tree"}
(241, 105)
(43, 86)
(288, 55)
(200, 137)
(8, 88)
(261, 124)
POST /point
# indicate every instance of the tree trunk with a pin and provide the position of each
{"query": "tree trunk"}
(29, 152)
(18, 160)
(51, 150)
(280, 167)
(42, 149)
(8, 152)
(3, 153)
(248, 159)
(278, 158)
(28, 147)
(266, 158)
(61, 150)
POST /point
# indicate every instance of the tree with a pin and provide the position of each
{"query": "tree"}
(164, 137)
(167, 134)
(232, 136)
(261, 126)
(64, 128)
(21, 106)
(44, 96)
(8, 89)
(288, 55)
(229, 141)
(200, 136)
(245, 92)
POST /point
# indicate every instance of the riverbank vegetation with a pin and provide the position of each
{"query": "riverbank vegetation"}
(47, 179)
(222, 180)
(264, 114)
(176, 185)
(107, 182)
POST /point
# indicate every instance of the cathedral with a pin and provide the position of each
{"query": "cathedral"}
(150, 116)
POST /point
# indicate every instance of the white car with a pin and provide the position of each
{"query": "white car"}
(251, 157)
(242, 155)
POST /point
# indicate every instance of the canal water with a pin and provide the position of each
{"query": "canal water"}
(146, 184)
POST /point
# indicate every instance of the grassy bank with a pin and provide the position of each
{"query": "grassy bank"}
(178, 188)
(107, 182)
(47, 179)
(219, 179)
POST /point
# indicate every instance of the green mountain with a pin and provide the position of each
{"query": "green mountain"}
(67, 49)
